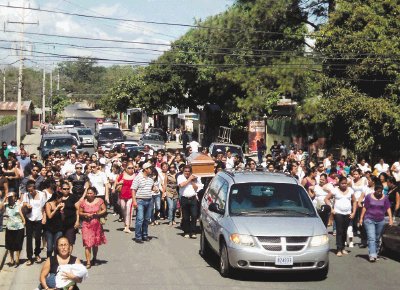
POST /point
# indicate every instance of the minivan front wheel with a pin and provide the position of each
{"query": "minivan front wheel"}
(224, 267)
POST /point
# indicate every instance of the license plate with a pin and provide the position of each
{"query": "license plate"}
(283, 261)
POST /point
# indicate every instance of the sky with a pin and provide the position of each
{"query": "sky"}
(41, 50)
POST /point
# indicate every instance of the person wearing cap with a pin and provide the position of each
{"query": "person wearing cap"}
(142, 190)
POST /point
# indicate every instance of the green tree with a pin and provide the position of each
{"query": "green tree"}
(360, 89)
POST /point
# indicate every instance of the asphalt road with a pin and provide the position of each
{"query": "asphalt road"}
(170, 261)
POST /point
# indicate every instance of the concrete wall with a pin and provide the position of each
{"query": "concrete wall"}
(9, 132)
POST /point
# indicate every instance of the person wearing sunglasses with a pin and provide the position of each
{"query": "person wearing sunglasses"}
(123, 187)
(78, 181)
(33, 163)
(99, 180)
(34, 176)
(70, 212)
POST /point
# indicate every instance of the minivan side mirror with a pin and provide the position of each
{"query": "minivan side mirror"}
(39, 148)
(214, 207)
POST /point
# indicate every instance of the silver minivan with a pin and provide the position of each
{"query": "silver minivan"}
(262, 221)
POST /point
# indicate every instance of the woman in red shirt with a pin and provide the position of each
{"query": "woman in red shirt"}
(123, 185)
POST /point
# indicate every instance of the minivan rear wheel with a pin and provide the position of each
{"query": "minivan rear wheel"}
(224, 267)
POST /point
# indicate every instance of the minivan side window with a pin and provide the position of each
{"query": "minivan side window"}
(222, 194)
(215, 185)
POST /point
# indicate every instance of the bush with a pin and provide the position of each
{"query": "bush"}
(7, 119)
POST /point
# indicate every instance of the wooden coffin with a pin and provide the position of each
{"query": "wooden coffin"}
(202, 164)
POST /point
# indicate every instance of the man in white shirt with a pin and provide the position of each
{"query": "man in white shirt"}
(34, 201)
(188, 187)
(69, 166)
(230, 160)
(396, 170)
(328, 162)
(194, 145)
(381, 166)
(99, 180)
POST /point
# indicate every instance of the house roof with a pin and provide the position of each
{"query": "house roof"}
(12, 106)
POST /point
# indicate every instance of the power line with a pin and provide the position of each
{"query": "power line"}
(129, 26)
(175, 24)
(301, 53)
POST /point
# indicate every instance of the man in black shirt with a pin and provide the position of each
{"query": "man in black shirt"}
(275, 150)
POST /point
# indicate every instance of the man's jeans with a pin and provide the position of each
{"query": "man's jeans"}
(374, 232)
(51, 239)
(155, 206)
(143, 215)
(171, 208)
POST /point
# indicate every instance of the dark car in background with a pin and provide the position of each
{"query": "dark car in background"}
(158, 131)
(108, 135)
(223, 147)
(56, 142)
(73, 122)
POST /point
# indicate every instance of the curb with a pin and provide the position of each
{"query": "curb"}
(3, 258)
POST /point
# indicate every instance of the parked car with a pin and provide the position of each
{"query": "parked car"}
(155, 141)
(223, 147)
(56, 142)
(86, 136)
(108, 135)
(262, 221)
(73, 122)
(391, 238)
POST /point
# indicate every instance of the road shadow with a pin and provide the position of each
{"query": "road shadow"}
(362, 256)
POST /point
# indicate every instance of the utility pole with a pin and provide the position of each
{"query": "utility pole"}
(44, 96)
(4, 85)
(51, 92)
(58, 81)
(21, 69)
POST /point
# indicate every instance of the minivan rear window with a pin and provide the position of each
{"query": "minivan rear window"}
(277, 199)
(110, 134)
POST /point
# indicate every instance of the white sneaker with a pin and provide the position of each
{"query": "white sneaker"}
(351, 245)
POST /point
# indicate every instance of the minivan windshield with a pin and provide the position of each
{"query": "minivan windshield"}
(278, 199)
(58, 142)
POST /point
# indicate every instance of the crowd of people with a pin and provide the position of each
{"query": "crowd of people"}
(49, 202)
